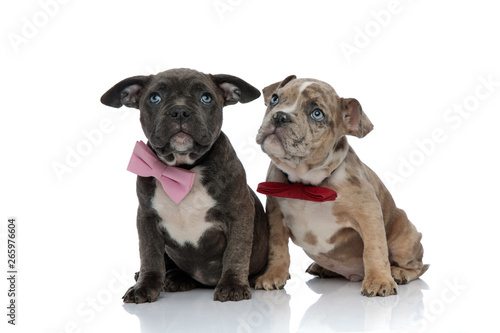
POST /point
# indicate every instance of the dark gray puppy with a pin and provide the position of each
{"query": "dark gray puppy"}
(218, 234)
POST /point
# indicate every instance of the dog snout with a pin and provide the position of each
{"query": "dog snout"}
(280, 119)
(180, 113)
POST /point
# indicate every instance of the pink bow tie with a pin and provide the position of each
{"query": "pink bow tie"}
(297, 191)
(176, 182)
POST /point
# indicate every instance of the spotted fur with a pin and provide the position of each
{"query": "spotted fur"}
(361, 235)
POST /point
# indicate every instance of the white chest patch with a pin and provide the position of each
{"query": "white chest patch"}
(185, 222)
(311, 223)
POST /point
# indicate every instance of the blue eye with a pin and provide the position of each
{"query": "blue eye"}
(317, 115)
(274, 99)
(206, 99)
(154, 98)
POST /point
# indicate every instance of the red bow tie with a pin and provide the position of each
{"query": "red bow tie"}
(297, 191)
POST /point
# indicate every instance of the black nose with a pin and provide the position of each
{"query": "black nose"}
(280, 118)
(179, 113)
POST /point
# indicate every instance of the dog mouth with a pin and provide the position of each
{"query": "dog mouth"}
(181, 142)
(271, 142)
(265, 131)
(283, 143)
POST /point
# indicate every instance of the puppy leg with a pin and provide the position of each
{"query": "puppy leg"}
(370, 225)
(316, 269)
(278, 263)
(233, 284)
(175, 278)
(405, 250)
(151, 278)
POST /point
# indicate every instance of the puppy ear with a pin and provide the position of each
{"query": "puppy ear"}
(234, 89)
(355, 120)
(269, 90)
(126, 92)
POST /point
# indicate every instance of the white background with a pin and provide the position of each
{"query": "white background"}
(413, 65)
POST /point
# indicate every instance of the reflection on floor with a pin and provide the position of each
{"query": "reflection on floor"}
(317, 305)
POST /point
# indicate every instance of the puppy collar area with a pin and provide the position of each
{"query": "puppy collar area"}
(297, 191)
(176, 182)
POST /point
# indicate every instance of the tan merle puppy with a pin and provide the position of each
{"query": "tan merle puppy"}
(361, 235)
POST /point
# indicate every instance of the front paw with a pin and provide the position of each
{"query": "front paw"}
(274, 278)
(232, 291)
(146, 290)
(378, 285)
